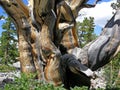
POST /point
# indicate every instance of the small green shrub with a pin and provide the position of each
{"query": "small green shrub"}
(29, 83)
(80, 88)
(6, 68)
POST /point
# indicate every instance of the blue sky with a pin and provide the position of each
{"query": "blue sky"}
(2, 12)
(1, 21)
(102, 12)
(92, 1)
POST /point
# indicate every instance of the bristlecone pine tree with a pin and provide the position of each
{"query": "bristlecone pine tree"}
(43, 25)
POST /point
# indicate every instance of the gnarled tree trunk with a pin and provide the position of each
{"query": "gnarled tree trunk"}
(44, 25)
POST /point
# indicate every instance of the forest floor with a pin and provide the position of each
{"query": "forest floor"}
(8, 75)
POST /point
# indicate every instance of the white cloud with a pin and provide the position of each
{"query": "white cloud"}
(101, 13)
(2, 19)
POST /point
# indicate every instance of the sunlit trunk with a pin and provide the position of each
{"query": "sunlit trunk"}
(16, 12)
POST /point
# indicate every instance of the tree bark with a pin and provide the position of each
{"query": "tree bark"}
(46, 24)
(19, 13)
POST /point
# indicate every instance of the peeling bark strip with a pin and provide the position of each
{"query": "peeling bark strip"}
(36, 53)
(45, 18)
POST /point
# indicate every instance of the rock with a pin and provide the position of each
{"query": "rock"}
(100, 81)
(4, 82)
(7, 80)
(8, 77)
(16, 65)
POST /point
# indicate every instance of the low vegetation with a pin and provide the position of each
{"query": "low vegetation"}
(25, 83)
(6, 68)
